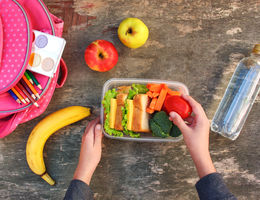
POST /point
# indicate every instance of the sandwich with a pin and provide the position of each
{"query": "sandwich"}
(138, 118)
(117, 109)
(125, 110)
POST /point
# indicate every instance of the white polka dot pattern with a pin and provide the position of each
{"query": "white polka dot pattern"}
(8, 104)
(15, 43)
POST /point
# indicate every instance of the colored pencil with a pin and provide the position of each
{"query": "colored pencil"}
(31, 87)
(24, 85)
(21, 93)
(27, 88)
(34, 80)
(27, 94)
(18, 95)
(28, 77)
(14, 96)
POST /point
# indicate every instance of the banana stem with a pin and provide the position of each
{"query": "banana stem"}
(48, 179)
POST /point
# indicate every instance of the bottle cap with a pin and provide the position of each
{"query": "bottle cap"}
(256, 49)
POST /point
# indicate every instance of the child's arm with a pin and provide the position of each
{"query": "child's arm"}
(196, 136)
(90, 154)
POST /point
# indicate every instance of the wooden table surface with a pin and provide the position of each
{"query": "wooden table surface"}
(198, 43)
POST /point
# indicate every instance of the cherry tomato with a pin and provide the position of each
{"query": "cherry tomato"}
(178, 105)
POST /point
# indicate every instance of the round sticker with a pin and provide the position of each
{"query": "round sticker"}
(41, 41)
(35, 60)
(47, 64)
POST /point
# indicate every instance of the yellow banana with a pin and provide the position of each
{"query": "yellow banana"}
(43, 130)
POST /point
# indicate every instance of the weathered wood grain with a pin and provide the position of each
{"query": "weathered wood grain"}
(196, 42)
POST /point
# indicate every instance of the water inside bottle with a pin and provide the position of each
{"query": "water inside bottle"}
(238, 99)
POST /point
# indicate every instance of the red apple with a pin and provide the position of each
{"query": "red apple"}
(101, 55)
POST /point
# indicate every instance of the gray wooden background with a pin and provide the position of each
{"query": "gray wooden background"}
(198, 43)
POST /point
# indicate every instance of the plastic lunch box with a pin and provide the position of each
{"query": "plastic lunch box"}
(144, 137)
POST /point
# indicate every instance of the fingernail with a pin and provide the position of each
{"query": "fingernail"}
(98, 127)
(172, 114)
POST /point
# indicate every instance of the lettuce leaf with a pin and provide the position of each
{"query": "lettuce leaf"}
(142, 89)
(106, 101)
(137, 89)
(131, 94)
(124, 123)
(106, 104)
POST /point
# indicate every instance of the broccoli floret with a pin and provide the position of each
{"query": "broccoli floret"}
(175, 131)
(157, 130)
(162, 119)
(160, 124)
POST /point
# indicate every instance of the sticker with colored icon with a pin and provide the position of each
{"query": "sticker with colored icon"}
(46, 53)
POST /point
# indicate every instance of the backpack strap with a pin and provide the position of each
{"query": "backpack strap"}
(63, 74)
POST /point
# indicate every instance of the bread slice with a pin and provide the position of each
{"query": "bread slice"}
(120, 99)
(130, 110)
(123, 89)
(140, 122)
(112, 114)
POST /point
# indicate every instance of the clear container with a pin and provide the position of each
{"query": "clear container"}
(239, 97)
(144, 137)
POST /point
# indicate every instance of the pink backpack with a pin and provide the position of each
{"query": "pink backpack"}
(17, 20)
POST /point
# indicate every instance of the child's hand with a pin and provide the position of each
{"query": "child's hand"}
(90, 152)
(196, 136)
(196, 132)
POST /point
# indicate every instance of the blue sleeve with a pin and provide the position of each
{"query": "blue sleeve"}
(213, 187)
(78, 190)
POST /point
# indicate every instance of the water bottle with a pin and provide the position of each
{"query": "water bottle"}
(239, 97)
